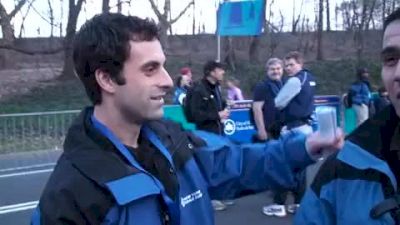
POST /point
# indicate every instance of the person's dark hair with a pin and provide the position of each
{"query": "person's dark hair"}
(103, 43)
(395, 15)
(210, 66)
(381, 90)
(297, 56)
(361, 71)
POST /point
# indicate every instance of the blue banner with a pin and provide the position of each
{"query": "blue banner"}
(240, 126)
(240, 18)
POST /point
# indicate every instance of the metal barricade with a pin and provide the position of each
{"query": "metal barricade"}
(34, 131)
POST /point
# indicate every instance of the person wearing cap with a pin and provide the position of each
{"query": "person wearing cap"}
(204, 101)
(206, 108)
(360, 94)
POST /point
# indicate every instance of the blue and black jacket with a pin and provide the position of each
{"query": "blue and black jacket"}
(301, 107)
(97, 180)
(360, 93)
(358, 185)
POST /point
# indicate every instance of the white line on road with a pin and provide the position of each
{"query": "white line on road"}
(26, 173)
(27, 167)
(18, 207)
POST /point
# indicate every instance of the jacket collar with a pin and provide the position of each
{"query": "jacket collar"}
(375, 137)
(93, 154)
(98, 159)
(376, 133)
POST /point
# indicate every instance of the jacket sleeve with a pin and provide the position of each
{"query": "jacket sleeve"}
(314, 211)
(232, 170)
(290, 90)
(60, 210)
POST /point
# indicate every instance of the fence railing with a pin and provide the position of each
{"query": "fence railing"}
(34, 131)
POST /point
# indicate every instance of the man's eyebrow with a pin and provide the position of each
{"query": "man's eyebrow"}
(150, 64)
(391, 50)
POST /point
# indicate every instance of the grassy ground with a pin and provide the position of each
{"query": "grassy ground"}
(56, 95)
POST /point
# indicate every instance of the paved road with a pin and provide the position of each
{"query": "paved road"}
(23, 176)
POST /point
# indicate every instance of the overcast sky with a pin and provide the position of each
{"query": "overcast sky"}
(37, 21)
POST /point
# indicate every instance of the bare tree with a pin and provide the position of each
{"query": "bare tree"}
(319, 31)
(73, 13)
(255, 40)
(22, 28)
(230, 56)
(119, 6)
(275, 32)
(5, 21)
(194, 18)
(51, 15)
(105, 7)
(61, 17)
(165, 21)
(328, 16)
(295, 20)
(383, 10)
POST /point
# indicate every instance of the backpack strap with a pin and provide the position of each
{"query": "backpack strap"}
(391, 205)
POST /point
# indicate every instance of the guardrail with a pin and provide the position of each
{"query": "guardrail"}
(34, 131)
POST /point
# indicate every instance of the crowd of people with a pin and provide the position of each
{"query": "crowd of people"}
(124, 164)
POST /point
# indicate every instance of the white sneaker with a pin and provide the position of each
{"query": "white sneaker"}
(228, 202)
(274, 210)
(292, 208)
(218, 205)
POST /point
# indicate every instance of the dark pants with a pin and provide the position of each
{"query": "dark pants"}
(280, 197)
(300, 187)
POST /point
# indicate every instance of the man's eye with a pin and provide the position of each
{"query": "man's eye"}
(150, 69)
(390, 60)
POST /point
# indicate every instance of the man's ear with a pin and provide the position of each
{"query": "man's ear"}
(104, 80)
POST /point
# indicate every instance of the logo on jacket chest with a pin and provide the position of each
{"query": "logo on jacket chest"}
(191, 198)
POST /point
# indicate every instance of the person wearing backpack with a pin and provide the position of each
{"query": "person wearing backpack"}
(361, 183)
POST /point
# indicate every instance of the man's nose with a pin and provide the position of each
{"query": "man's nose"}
(165, 80)
(397, 69)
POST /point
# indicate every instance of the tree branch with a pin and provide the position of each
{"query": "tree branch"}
(155, 9)
(17, 8)
(182, 12)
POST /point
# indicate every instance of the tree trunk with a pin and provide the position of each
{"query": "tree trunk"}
(165, 22)
(164, 34)
(74, 10)
(7, 30)
(319, 33)
(253, 49)
(383, 11)
(328, 17)
(51, 18)
(119, 6)
(230, 57)
(194, 19)
(255, 40)
(106, 6)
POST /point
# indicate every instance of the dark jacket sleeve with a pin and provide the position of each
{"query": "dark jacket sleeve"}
(61, 209)
(70, 199)
(200, 108)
